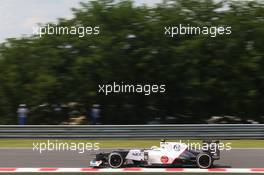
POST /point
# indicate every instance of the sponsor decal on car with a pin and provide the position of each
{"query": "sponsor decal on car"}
(164, 159)
(136, 153)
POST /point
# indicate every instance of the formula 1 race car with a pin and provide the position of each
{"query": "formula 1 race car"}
(169, 154)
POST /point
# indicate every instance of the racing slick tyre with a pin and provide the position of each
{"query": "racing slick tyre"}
(115, 160)
(204, 160)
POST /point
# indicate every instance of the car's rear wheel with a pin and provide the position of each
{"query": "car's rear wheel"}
(204, 160)
(115, 160)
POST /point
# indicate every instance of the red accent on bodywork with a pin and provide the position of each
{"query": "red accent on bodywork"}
(164, 159)
(175, 160)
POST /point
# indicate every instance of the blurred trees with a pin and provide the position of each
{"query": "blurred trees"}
(204, 76)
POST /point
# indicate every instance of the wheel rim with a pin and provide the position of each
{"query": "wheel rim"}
(115, 160)
(204, 161)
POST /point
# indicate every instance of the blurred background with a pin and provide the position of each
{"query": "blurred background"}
(54, 79)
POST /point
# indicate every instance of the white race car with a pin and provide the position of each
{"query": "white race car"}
(169, 154)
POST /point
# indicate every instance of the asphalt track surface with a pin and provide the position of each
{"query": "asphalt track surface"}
(236, 158)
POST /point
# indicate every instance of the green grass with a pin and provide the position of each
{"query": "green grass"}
(23, 143)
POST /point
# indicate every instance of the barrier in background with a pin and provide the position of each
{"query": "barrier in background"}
(190, 131)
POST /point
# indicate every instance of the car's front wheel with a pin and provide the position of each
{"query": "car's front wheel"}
(115, 160)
